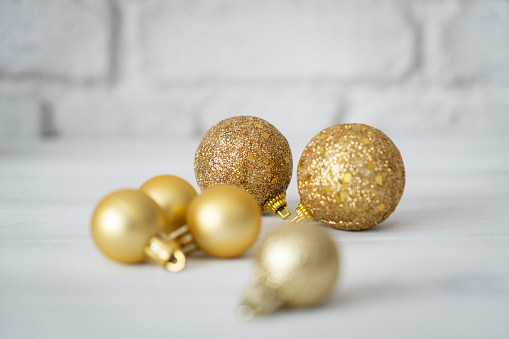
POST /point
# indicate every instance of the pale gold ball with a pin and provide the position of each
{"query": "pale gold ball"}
(299, 261)
(247, 152)
(351, 176)
(224, 221)
(173, 195)
(122, 223)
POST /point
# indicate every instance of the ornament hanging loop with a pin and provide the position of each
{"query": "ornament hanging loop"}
(165, 252)
(284, 212)
(277, 205)
(170, 250)
(177, 262)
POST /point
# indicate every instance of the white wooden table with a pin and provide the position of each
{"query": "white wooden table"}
(437, 268)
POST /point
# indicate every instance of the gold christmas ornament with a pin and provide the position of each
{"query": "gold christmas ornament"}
(296, 266)
(350, 177)
(173, 195)
(250, 153)
(127, 226)
(224, 221)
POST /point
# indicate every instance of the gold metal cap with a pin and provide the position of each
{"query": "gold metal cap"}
(277, 205)
(170, 250)
(259, 299)
(302, 214)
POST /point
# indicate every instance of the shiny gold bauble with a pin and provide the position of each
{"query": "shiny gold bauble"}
(350, 177)
(247, 152)
(296, 265)
(173, 195)
(123, 222)
(224, 221)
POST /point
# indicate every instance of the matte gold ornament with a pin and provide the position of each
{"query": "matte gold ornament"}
(173, 195)
(350, 177)
(296, 266)
(224, 221)
(250, 153)
(128, 227)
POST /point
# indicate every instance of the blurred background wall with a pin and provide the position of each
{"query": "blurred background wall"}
(173, 68)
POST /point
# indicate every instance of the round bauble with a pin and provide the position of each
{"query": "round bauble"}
(350, 177)
(123, 222)
(173, 195)
(224, 220)
(301, 261)
(250, 153)
(296, 266)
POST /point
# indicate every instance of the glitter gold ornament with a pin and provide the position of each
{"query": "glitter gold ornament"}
(250, 153)
(224, 221)
(296, 266)
(127, 226)
(350, 177)
(173, 195)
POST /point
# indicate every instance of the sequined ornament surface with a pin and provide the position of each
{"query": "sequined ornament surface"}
(350, 177)
(246, 152)
(296, 266)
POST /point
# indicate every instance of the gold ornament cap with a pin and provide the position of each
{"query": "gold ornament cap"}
(350, 177)
(259, 299)
(250, 153)
(127, 227)
(297, 265)
(170, 250)
(165, 252)
(303, 214)
(277, 205)
(224, 220)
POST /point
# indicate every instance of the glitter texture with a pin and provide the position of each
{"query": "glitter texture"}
(300, 262)
(247, 152)
(351, 176)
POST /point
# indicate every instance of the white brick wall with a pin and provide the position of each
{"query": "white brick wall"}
(55, 39)
(474, 44)
(229, 40)
(19, 118)
(132, 67)
(431, 109)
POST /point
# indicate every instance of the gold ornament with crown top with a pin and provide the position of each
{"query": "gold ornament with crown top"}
(250, 153)
(296, 266)
(350, 177)
(128, 227)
